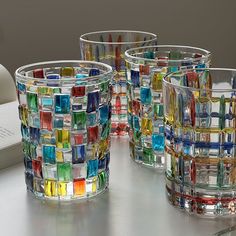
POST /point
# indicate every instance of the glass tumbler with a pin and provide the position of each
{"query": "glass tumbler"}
(200, 140)
(146, 67)
(109, 47)
(65, 114)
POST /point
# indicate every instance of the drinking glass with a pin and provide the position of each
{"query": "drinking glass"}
(109, 47)
(200, 140)
(65, 116)
(146, 67)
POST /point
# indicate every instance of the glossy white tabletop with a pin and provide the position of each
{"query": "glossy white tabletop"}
(135, 204)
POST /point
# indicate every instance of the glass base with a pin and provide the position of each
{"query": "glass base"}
(42, 196)
(210, 203)
(146, 156)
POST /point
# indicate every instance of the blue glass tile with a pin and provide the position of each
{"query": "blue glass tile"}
(62, 104)
(93, 101)
(53, 76)
(49, 154)
(94, 72)
(34, 134)
(24, 131)
(130, 120)
(145, 95)
(58, 122)
(136, 124)
(21, 87)
(78, 154)
(212, 145)
(135, 78)
(92, 168)
(102, 163)
(104, 114)
(80, 76)
(47, 102)
(28, 163)
(158, 142)
(91, 119)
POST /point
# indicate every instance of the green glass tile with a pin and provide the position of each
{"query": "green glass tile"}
(158, 110)
(79, 120)
(64, 171)
(32, 101)
(104, 86)
(101, 180)
(222, 112)
(220, 174)
(148, 157)
(175, 55)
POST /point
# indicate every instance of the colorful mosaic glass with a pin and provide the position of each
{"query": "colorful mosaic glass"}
(109, 47)
(65, 111)
(200, 140)
(146, 67)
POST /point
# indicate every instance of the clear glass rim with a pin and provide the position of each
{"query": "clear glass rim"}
(82, 37)
(129, 56)
(167, 83)
(109, 71)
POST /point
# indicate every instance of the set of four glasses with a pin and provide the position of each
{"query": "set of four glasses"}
(180, 115)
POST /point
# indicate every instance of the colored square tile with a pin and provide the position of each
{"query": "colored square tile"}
(58, 121)
(46, 120)
(144, 69)
(92, 168)
(79, 120)
(92, 118)
(49, 155)
(65, 189)
(78, 91)
(145, 95)
(50, 188)
(64, 171)
(79, 187)
(49, 171)
(92, 151)
(77, 138)
(104, 113)
(93, 134)
(135, 78)
(158, 142)
(38, 73)
(37, 168)
(93, 101)
(24, 132)
(62, 138)
(78, 154)
(62, 103)
(46, 103)
(79, 171)
(102, 180)
(67, 72)
(34, 135)
(32, 101)
(34, 119)
(146, 126)
(59, 156)
(157, 80)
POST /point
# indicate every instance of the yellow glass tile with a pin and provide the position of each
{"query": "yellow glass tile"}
(59, 156)
(62, 189)
(146, 126)
(67, 72)
(103, 146)
(24, 116)
(157, 81)
(50, 188)
(94, 185)
(63, 138)
(45, 91)
(88, 52)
